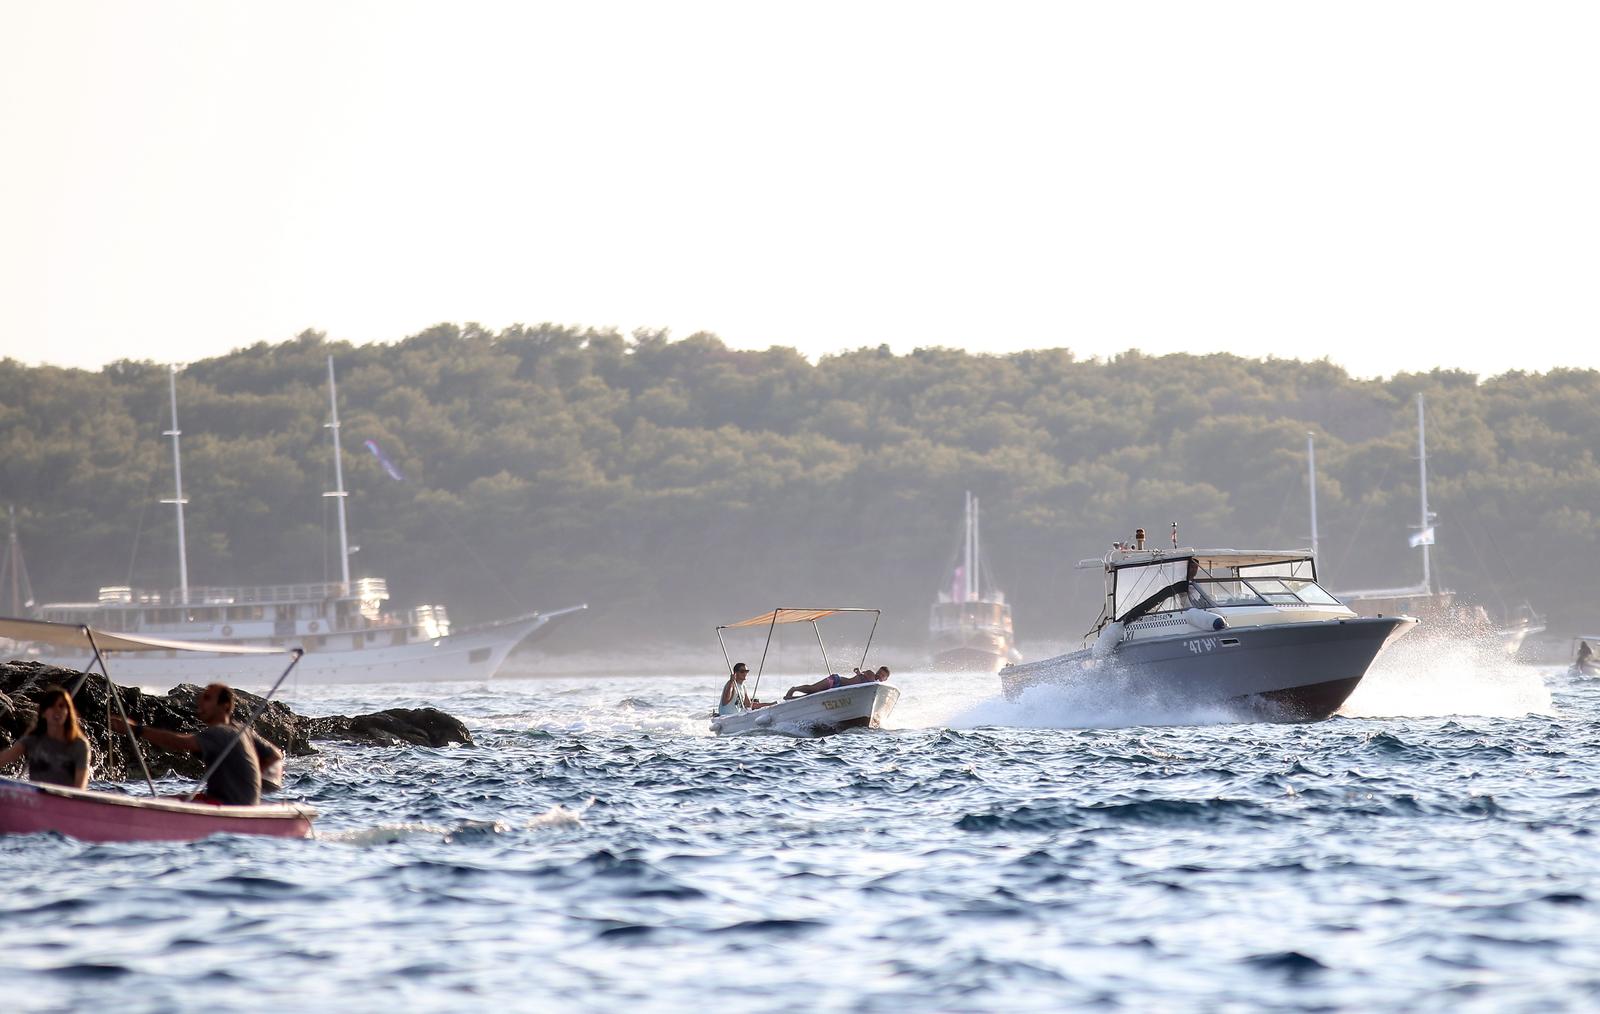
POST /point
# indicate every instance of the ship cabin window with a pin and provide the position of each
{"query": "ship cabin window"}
(244, 613)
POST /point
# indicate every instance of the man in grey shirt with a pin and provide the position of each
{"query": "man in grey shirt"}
(237, 780)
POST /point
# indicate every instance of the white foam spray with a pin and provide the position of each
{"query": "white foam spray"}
(1454, 675)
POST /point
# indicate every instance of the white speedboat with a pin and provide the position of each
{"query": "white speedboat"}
(344, 627)
(857, 704)
(1247, 630)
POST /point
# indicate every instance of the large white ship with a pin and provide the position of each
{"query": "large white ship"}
(348, 634)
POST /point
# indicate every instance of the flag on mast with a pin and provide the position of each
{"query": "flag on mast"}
(388, 466)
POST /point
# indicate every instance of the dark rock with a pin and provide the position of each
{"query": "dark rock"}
(22, 683)
(416, 726)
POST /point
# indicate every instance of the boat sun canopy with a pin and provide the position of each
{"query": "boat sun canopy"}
(72, 635)
(791, 616)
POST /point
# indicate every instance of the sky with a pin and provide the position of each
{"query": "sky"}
(1393, 186)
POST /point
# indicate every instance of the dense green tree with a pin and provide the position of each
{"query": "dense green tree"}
(676, 483)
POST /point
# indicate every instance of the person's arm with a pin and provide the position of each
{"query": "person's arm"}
(80, 763)
(266, 753)
(11, 753)
(182, 741)
(727, 693)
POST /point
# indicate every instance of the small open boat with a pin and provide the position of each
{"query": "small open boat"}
(90, 815)
(820, 714)
(853, 706)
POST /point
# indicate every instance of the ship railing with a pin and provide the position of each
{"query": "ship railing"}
(366, 589)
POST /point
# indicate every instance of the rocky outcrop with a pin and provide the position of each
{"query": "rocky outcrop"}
(414, 726)
(21, 683)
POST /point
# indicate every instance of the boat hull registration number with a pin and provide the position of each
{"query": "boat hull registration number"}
(1201, 645)
(836, 705)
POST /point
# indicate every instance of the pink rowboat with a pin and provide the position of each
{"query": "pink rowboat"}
(88, 815)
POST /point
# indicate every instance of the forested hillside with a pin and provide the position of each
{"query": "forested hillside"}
(675, 484)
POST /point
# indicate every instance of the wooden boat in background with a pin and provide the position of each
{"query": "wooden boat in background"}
(969, 628)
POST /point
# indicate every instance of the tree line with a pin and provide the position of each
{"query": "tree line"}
(675, 484)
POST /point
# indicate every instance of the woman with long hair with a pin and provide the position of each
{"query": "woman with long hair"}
(56, 749)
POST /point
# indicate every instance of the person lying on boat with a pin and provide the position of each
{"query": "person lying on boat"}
(237, 780)
(56, 748)
(735, 695)
(835, 681)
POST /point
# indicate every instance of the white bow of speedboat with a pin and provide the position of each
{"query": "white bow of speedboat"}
(820, 714)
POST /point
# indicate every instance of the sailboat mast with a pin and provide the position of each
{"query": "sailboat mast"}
(966, 551)
(338, 493)
(977, 553)
(177, 490)
(1311, 480)
(1422, 467)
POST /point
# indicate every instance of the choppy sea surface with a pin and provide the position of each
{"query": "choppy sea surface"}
(1433, 848)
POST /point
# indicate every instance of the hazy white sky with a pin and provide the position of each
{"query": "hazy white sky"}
(1393, 185)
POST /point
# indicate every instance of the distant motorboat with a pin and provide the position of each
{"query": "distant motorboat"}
(857, 704)
(969, 628)
(348, 634)
(1250, 631)
(1586, 656)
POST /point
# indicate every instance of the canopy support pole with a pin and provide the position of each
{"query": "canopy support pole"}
(297, 653)
(827, 667)
(116, 698)
(727, 662)
(763, 666)
(868, 646)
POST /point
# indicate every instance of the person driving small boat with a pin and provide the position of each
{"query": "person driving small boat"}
(56, 748)
(835, 680)
(735, 695)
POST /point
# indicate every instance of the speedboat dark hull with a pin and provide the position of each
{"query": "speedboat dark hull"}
(1285, 672)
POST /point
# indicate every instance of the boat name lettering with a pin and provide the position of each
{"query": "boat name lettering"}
(1201, 645)
(835, 705)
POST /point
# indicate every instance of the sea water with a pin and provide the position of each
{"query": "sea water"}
(1434, 848)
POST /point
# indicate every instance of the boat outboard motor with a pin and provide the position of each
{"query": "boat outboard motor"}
(1204, 620)
(1106, 643)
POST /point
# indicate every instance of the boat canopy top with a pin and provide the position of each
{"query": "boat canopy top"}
(792, 616)
(1210, 559)
(76, 635)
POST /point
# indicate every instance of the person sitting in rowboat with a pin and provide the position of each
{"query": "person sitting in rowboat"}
(735, 696)
(835, 680)
(57, 751)
(237, 779)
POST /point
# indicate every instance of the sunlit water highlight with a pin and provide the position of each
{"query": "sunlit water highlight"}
(598, 849)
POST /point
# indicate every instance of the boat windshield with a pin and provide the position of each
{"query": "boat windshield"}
(1260, 590)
